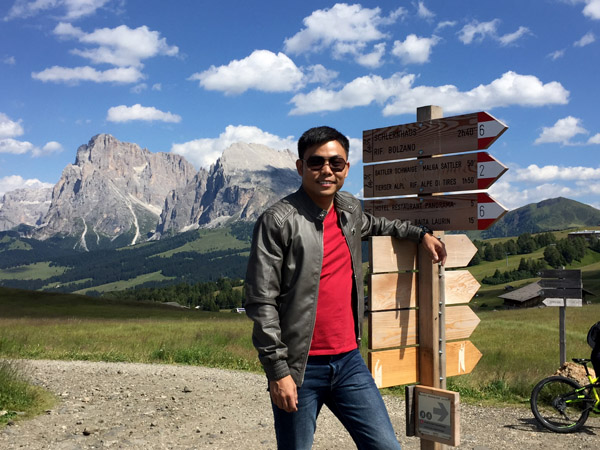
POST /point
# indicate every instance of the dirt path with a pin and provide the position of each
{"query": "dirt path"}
(147, 406)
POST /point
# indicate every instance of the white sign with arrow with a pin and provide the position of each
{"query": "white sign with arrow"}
(436, 417)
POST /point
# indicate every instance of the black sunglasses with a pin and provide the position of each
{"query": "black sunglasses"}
(336, 163)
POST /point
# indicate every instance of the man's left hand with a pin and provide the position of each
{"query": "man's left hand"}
(435, 248)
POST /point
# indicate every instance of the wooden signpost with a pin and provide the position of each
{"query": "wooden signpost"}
(409, 322)
(455, 172)
(561, 288)
(456, 134)
(477, 211)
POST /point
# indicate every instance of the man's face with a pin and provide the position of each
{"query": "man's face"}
(322, 184)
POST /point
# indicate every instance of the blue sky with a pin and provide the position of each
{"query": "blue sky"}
(193, 77)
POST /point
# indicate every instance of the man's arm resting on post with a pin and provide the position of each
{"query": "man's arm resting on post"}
(435, 248)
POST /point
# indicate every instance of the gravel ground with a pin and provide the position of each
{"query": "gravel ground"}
(148, 406)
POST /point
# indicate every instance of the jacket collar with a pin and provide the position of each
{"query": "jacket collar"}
(341, 202)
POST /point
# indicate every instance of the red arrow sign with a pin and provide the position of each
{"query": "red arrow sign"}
(441, 212)
(451, 173)
(469, 132)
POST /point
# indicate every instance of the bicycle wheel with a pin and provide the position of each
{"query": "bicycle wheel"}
(557, 406)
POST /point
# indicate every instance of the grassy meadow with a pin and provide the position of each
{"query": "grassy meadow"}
(519, 347)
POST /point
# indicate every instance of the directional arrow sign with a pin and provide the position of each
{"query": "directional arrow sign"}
(560, 283)
(469, 132)
(561, 274)
(443, 212)
(399, 290)
(561, 293)
(399, 327)
(400, 365)
(389, 254)
(562, 302)
(426, 176)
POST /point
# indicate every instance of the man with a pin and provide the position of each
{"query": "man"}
(304, 292)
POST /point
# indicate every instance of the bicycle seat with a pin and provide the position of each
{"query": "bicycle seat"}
(582, 361)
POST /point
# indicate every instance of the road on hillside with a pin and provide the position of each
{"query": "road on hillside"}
(150, 406)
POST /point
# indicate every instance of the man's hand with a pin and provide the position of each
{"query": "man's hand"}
(435, 248)
(284, 394)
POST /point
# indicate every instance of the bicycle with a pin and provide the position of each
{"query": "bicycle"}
(562, 405)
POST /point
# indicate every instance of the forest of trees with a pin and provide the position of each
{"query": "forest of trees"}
(225, 293)
(557, 253)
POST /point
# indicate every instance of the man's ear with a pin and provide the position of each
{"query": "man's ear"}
(300, 166)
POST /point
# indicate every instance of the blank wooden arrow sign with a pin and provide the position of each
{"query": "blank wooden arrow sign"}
(399, 328)
(400, 366)
(399, 290)
(394, 255)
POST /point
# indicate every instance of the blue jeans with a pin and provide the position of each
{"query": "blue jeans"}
(345, 385)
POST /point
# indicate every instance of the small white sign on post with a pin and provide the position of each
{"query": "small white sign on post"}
(437, 415)
(562, 302)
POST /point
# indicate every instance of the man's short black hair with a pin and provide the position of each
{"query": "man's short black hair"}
(320, 136)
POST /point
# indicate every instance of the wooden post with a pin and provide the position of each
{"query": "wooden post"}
(563, 333)
(429, 307)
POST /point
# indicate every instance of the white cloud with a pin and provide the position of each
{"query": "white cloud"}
(587, 39)
(263, 70)
(9, 60)
(121, 46)
(423, 12)
(594, 139)
(399, 95)
(359, 92)
(9, 128)
(346, 30)
(414, 49)
(157, 87)
(373, 59)
(204, 152)
(561, 132)
(592, 9)
(513, 195)
(12, 182)
(509, 38)
(139, 88)
(557, 54)
(319, 74)
(124, 113)
(48, 148)
(445, 24)
(535, 174)
(477, 31)
(510, 89)
(74, 75)
(15, 147)
(73, 9)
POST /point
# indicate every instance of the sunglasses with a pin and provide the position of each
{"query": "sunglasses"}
(336, 163)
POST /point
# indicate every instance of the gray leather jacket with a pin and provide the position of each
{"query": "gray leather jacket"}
(282, 279)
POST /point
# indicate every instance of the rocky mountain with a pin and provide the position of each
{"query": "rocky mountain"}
(24, 206)
(243, 182)
(118, 194)
(113, 190)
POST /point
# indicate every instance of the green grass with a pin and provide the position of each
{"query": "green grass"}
(126, 284)
(41, 270)
(209, 241)
(18, 398)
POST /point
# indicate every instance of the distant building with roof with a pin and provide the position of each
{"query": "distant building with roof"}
(586, 234)
(529, 296)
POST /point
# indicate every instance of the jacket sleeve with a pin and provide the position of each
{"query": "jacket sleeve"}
(380, 226)
(263, 287)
